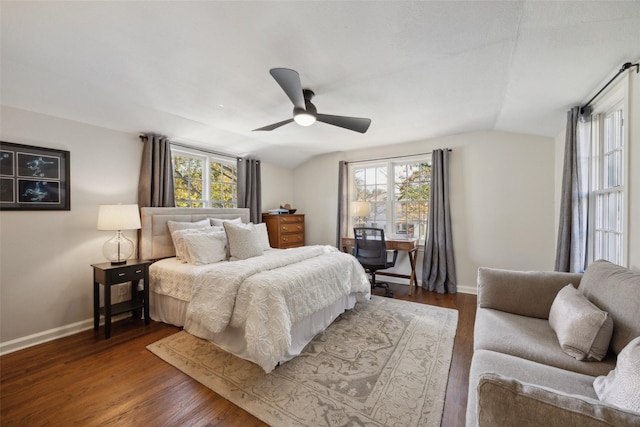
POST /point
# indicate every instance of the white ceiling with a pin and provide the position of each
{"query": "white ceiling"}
(198, 72)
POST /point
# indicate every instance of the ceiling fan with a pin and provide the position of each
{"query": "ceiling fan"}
(304, 112)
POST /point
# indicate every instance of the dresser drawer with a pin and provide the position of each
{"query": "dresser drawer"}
(291, 218)
(287, 240)
(295, 227)
(126, 274)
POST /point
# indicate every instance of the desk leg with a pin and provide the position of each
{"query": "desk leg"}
(413, 255)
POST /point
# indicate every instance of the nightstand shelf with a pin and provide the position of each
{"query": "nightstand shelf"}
(108, 275)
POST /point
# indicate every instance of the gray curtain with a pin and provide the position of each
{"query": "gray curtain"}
(250, 188)
(438, 268)
(155, 188)
(343, 203)
(571, 250)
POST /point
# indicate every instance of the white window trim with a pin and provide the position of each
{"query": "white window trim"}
(389, 163)
(208, 159)
(616, 96)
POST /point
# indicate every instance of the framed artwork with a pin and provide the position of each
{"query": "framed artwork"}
(33, 178)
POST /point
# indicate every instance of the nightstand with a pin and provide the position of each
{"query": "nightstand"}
(108, 275)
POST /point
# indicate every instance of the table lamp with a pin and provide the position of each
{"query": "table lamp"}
(361, 211)
(117, 218)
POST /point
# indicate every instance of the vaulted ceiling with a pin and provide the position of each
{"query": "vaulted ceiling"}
(198, 71)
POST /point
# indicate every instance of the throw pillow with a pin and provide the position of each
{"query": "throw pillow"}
(218, 222)
(263, 235)
(205, 247)
(583, 330)
(621, 387)
(184, 225)
(244, 242)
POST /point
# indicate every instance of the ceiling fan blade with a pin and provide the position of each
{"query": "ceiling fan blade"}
(356, 124)
(289, 81)
(275, 125)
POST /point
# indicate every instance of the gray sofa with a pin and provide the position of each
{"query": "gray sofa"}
(519, 374)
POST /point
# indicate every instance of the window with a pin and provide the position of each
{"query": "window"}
(203, 180)
(393, 195)
(607, 199)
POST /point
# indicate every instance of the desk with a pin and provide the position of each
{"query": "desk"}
(409, 246)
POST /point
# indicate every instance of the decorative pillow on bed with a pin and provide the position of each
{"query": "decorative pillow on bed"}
(205, 247)
(218, 222)
(263, 235)
(621, 387)
(184, 225)
(179, 235)
(244, 241)
(584, 331)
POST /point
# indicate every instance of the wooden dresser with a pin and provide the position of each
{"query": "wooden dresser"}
(285, 230)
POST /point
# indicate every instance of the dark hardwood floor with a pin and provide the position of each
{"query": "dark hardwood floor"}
(86, 380)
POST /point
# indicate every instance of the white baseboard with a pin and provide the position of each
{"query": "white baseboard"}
(52, 334)
(461, 289)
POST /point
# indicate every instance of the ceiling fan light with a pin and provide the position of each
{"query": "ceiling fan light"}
(304, 118)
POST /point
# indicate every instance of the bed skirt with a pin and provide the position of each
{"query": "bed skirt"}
(170, 310)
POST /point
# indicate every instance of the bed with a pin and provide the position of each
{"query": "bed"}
(264, 308)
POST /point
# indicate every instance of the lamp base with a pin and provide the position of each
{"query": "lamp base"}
(118, 249)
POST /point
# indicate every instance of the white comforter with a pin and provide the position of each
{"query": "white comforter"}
(266, 295)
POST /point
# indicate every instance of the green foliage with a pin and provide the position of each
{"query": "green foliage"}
(188, 175)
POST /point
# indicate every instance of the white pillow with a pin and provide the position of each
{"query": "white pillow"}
(205, 248)
(178, 238)
(263, 235)
(218, 222)
(583, 330)
(621, 387)
(244, 241)
(183, 225)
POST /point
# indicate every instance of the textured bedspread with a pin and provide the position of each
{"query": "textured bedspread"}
(267, 294)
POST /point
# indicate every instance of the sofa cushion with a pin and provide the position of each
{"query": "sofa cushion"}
(615, 290)
(583, 330)
(621, 387)
(504, 401)
(531, 339)
(564, 381)
(528, 293)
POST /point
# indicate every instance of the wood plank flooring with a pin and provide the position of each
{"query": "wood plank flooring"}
(86, 380)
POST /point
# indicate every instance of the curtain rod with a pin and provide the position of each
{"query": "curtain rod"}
(142, 136)
(624, 68)
(394, 157)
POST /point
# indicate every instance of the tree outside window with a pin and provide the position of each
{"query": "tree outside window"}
(202, 180)
(397, 194)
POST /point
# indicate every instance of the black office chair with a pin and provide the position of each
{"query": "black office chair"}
(371, 250)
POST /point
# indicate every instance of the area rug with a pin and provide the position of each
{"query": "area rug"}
(384, 363)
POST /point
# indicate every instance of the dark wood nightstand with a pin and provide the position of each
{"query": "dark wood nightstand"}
(107, 274)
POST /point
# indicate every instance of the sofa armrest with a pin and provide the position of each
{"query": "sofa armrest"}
(506, 401)
(528, 293)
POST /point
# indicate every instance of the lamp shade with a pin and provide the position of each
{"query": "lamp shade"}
(360, 209)
(118, 217)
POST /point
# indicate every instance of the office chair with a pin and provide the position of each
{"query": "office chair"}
(371, 250)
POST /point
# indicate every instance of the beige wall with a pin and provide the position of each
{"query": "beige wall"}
(502, 199)
(45, 256)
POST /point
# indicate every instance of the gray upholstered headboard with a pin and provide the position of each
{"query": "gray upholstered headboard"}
(155, 239)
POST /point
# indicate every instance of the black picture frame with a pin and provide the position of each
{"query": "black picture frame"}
(34, 178)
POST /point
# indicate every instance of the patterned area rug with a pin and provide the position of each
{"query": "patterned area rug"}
(384, 363)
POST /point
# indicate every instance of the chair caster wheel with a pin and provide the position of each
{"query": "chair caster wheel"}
(389, 293)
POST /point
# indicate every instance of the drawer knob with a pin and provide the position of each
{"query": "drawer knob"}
(121, 274)
(138, 271)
